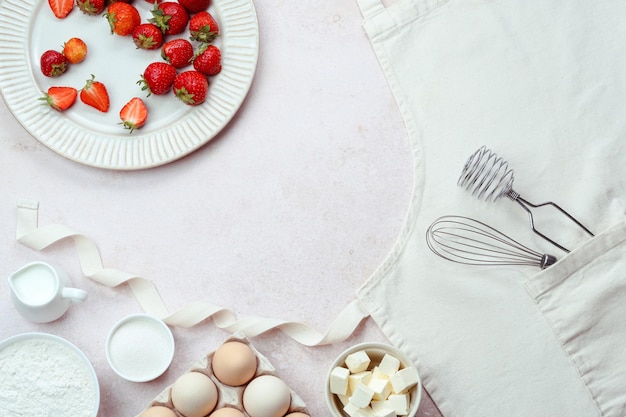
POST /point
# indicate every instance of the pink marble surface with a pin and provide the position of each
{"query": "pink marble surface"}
(284, 215)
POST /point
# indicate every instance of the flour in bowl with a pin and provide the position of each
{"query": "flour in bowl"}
(44, 377)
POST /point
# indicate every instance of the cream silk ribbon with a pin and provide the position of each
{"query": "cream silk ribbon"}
(38, 238)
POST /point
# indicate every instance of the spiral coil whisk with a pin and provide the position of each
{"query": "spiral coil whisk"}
(487, 176)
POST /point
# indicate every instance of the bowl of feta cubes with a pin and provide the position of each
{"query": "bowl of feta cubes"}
(373, 380)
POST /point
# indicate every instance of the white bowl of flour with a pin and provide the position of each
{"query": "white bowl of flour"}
(45, 375)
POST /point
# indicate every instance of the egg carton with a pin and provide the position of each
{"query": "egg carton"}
(229, 396)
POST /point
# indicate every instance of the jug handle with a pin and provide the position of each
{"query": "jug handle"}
(76, 295)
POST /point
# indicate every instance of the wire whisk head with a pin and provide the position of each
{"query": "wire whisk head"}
(486, 175)
(468, 241)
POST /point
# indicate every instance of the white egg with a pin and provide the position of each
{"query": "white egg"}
(266, 396)
(194, 394)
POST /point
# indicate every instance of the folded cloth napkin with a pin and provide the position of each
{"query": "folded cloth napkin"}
(542, 84)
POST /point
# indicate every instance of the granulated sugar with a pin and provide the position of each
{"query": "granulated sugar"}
(45, 378)
(140, 348)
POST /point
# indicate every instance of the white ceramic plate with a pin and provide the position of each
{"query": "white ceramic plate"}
(46, 375)
(28, 28)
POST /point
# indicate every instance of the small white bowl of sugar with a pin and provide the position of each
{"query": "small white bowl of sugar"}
(140, 347)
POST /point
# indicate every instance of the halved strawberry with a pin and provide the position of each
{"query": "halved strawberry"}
(95, 94)
(134, 114)
(60, 98)
(61, 8)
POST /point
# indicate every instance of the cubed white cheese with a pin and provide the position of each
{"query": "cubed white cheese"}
(358, 361)
(355, 379)
(339, 380)
(403, 380)
(351, 409)
(389, 365)
(400, 403)
(362, 396)
(345, 399)
(381, 388)
(385, 412)
(365, 412)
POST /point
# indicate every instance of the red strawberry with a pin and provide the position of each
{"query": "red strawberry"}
(191, 87)
(195, 6)
(60, 98)
(158, 78)
(95, 94)
(170, 17)
(178, 52)
(134, 114)
(75, 50)
(123, 18)
(61, 8)
(208, 60)
(91, 7)
(147, 36)
(203, 27)
(53, 63)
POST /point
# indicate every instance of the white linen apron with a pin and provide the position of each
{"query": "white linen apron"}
(541, 83)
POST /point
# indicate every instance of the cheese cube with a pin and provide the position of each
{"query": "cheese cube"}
(358, 361)
(381, 388)
(362, 396)
(345, 399)
(355, 379)
(377, 374)
(365, 412)
(399, 403)
(385, 412)
(404, 379)
(351, 409)
(339, 380)
(389, 365)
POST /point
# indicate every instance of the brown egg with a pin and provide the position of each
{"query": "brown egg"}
(234, 363)
(227, 412)
(298, 414)
(158, 411)
(194, 394)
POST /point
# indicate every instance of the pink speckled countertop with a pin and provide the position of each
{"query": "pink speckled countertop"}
(284, 215)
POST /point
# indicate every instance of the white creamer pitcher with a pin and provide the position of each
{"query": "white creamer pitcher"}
(41, 292)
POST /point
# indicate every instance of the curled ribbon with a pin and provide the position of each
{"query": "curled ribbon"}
(38, 238)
